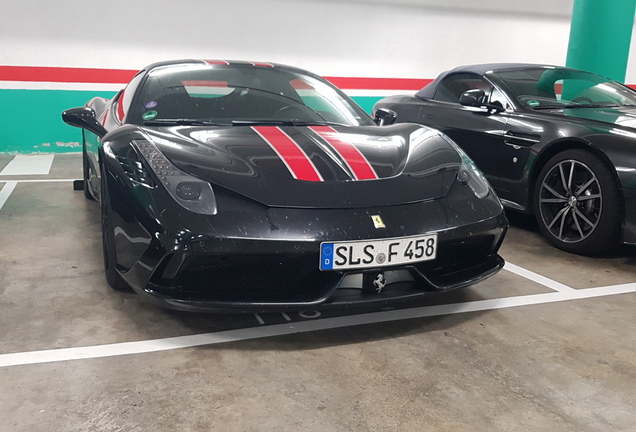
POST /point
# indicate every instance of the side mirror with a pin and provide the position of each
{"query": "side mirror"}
(475, 98)
(84, 118)
(472, 98)
(384, 116)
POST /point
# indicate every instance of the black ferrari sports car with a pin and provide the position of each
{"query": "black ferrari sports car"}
(229, 185)
(555, 142)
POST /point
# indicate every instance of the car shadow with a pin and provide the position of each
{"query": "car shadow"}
(196, 323)
(529, 226)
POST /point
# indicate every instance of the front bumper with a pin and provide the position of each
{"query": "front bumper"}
(253, 275)
(250, 257)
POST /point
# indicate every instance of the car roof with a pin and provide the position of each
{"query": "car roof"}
(227, 62)
(428, 91)
(487, 67)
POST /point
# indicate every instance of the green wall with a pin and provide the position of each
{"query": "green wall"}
(367, 102)
(600, 36)
(32, 120)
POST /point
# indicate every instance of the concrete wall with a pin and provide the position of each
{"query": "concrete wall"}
(335, 38)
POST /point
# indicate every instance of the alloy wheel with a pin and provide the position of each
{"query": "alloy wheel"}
(570, 201)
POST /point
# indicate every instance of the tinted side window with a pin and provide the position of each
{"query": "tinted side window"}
(498, 98)
(452, 87)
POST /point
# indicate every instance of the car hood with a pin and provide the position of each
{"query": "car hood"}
(624, 116)
(316, 166)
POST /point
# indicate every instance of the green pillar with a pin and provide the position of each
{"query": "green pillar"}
(600, 36)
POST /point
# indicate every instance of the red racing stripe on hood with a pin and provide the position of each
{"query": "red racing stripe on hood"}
(295, 159)
(355, 160)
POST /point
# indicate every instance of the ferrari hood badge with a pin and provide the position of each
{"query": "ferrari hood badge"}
(377, 221)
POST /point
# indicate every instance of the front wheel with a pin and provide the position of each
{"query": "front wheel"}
(577, 203)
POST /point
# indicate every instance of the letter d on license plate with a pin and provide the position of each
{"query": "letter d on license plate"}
(377, 253)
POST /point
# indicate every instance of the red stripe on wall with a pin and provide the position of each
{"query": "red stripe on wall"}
(352, 83)
(290, 152)
(122, 76)
(355, 160)
(65, 75)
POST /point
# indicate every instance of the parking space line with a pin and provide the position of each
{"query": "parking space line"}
(157, 345)
(6, 191)
(41, 180)
(29, 165)
(10, 185)
(535, 277)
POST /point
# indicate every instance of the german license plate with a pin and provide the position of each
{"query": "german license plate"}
(377, 253)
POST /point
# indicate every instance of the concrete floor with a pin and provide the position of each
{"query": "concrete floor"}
(548, 344)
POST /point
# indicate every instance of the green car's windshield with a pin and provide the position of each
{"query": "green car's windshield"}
(240, 94)
(542, 88)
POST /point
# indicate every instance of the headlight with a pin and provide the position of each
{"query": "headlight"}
(189, 192)
(469, 175)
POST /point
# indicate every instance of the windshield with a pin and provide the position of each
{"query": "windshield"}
(240, 94)
(565, 88)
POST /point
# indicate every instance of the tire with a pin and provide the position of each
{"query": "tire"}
(577, 203)
(113, 278)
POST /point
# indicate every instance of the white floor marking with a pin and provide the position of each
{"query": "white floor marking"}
(260, 320)
(11, 184)
(29, 165)
(557, 286)
(6, 191)
(41, 180)
(125, 348)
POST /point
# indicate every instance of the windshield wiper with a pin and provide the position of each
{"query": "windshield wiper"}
(547, 107)
(576, 105)
(317, 123)
(262, 123)
(180, 122)
(284, 123)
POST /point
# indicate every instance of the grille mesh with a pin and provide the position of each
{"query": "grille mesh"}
(458, 260)
(259, 277)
